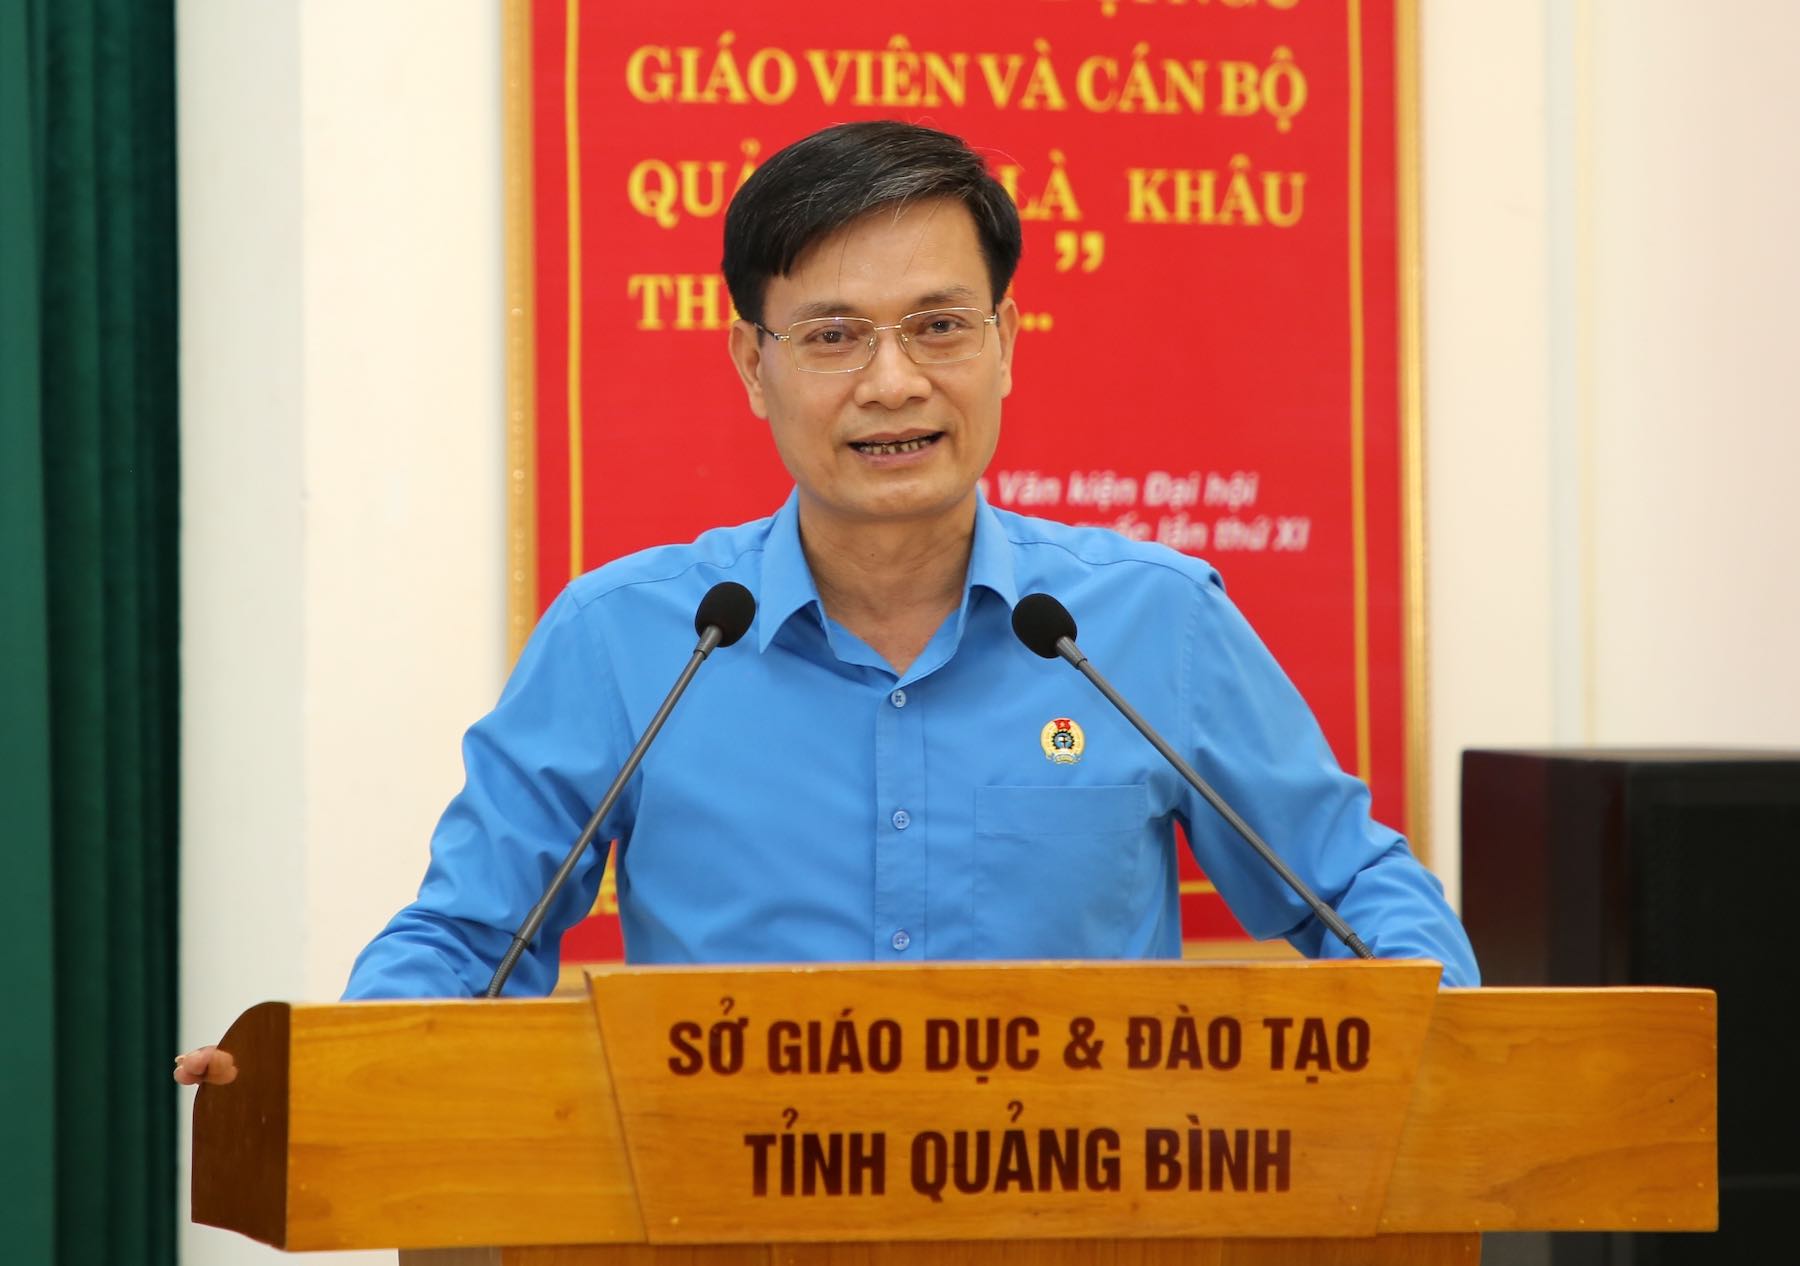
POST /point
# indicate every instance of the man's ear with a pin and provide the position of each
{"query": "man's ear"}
(747, 358)
(1007, 327)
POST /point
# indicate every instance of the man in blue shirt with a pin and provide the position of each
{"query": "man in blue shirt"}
(879, 771)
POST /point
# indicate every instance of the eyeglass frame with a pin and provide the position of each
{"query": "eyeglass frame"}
(874, 339)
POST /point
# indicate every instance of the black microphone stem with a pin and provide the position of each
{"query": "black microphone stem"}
(1068, 650)
(529, 929)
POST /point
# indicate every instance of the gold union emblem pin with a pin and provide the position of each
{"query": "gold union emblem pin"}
(1062, 741)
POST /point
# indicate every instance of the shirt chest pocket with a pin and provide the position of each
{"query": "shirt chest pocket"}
(1056, 870)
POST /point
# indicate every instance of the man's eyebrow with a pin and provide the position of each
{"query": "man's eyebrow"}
(823, 308)
(948, 297)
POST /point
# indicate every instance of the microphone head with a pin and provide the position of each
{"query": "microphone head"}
(727, 607)
(1040, 622)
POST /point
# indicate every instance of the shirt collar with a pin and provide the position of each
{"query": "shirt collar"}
(787, 582)
(991, 557)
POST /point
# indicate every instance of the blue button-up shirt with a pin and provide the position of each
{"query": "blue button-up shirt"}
(805, 803)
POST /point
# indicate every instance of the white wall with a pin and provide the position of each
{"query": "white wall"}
(343, 441)
(1609, 193)
(1486, 300)
(1695, 368)
(1612, 291)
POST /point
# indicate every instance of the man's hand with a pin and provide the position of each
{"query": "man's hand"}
(209, 1064)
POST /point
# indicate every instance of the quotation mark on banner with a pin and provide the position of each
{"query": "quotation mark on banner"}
(1088, 247)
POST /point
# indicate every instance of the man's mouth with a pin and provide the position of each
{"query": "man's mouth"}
(888, 448)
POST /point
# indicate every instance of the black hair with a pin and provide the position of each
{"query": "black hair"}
(820, 183)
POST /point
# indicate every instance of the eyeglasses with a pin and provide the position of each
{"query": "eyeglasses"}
(843, 345)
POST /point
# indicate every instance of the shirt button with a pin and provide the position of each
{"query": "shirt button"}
(898, 698)
(902, 819)
(901, 939)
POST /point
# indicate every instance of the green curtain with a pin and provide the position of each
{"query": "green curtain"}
(88, 630)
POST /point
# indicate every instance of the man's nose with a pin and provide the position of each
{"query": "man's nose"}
(891, 378)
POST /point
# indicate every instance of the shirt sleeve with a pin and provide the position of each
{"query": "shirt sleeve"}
(535, 768)
(1258, 744)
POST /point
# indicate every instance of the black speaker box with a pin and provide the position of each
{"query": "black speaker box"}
(1655, 867)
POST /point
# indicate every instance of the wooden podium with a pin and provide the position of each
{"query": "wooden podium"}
(1042, 1113)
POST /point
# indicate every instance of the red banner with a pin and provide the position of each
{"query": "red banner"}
(1210, 349)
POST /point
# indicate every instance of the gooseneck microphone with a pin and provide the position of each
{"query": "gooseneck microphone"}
(1047, 629)
(724, 615)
